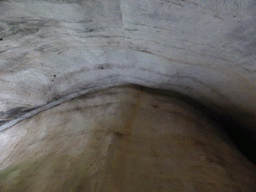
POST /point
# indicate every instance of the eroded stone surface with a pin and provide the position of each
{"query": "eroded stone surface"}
(205, 49)
(52, 51)
(122, 139)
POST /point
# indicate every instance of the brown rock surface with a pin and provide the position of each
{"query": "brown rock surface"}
(121, 139)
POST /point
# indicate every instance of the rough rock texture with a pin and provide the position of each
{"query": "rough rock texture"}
(52, 51)
(122, 139)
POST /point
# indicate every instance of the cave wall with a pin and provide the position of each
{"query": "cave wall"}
(54, 51)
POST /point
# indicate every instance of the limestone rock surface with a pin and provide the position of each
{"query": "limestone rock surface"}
(204, 49)
(59, 129)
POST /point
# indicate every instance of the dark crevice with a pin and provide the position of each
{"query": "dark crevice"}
(243, 136)
(15, 113)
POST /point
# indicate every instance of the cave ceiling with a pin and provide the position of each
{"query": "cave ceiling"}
(51, 51)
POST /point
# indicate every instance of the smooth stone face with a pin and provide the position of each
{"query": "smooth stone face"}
(121, 139)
